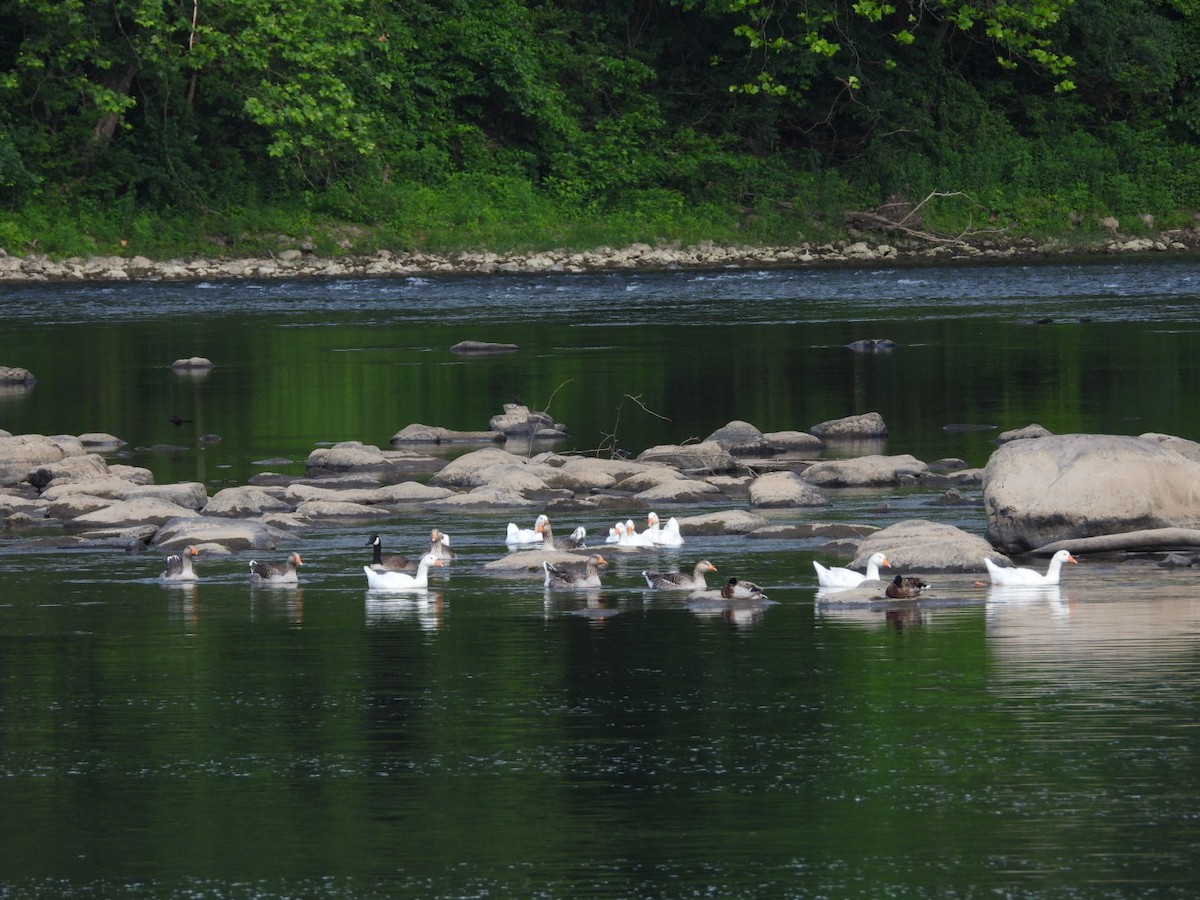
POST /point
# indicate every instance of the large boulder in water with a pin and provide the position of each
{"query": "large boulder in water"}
(917, 545)
(1068, 486)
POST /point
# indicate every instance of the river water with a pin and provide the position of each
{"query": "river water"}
(485, 739)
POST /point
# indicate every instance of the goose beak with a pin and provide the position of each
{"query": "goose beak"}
(1072, 559)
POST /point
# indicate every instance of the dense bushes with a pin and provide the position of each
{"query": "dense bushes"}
(135, 128)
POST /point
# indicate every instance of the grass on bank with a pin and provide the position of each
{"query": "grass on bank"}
(505, 214)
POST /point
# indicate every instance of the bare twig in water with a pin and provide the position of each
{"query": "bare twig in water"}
(609, 444)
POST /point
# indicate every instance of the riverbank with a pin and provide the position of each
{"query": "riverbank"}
(300, 262)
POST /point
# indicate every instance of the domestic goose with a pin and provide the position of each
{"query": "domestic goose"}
(573, 541)
(518, 536)
(1029, 577)
(681, 580)
(402, 581)
(273, 573)
(663, 535)
(564, 578)
(179, 566)
(837, 576)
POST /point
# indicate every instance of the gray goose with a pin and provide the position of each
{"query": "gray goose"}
(681, 580)
(272, 573)
(573, 541)
(563, 578)
(179, 566)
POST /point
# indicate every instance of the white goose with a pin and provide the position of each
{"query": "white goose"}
(519, 536)
(839, 577)
(631, 537)
(271, 573)
(663, 535)
(179, 567)
(1028, 577)
(402, 581)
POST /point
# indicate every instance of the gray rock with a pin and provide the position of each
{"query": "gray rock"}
(14, 375)
(867, 425)
(1022, 434)
(94, 439)
(519, 420)
(436, 434)
(472, 469)
(1182, 446)
(707, 458)
(230, 534)
(339, 509)
(727, 521)
(684, 490)
(192, 363)
(917, 545)
(482, 347)
(349, 456)
(785, 489)
(73, 468)
(866, 471)
(1070, 486)
(794, 441)
(742, 439)
(243, 503)
(21, 453)
(128, 513)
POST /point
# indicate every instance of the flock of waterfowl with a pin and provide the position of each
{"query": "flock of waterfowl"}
(398, 573)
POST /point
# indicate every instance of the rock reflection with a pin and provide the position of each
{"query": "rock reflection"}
(421, 606)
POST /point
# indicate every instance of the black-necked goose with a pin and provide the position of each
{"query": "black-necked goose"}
(179, 566)
(390, 563)
(276, 573)
(564, 578)
(681, 580)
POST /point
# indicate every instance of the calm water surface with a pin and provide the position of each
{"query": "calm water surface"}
(485, 739)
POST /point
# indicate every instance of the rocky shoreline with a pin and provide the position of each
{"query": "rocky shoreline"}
(297, 260)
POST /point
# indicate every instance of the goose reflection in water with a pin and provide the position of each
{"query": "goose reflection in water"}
(278, 600)
(596, 608)
(1001, 596)
(423, 607)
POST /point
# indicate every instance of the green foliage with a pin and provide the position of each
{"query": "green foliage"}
(142, 126)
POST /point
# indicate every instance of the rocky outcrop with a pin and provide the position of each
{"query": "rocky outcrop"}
(867, 471)
(519, 421)
(1029, 432)
(435, 434)
(867, 425)
(231, 534)
(16, 376)
(917, 545)
(1063, 487)
(705, 458)
(742, 439)
(785, 489)
(355, 456)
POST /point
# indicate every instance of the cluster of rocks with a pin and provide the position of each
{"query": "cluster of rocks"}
(518, 424)
(66, 481)
(300, 262)
(1040, 492)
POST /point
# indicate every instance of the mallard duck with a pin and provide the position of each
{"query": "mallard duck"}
(518, 536)
(681, 580)
(271, 573)
(735, 589)
(562, 578)
(402, 581)
(663, 535)
(390, 563)
(837, 576)
(905, 587)
(179, 566)
(1029, 577)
